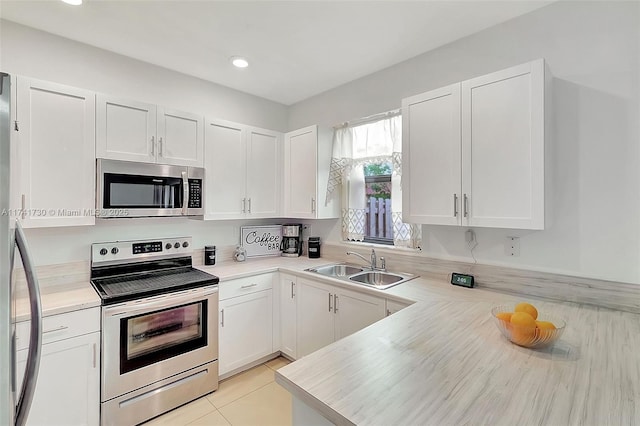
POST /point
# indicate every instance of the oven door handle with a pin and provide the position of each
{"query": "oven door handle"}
(166, 301)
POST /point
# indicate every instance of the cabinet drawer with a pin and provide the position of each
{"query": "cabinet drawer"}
(60, 327)
(247, 285)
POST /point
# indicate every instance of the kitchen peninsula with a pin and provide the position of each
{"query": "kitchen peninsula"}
(441, 361)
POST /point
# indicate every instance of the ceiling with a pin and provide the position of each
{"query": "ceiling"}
(296, 49)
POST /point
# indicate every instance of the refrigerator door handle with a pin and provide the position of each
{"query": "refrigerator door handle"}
(35, 339)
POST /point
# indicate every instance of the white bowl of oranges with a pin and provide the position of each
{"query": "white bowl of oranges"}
(522, 325)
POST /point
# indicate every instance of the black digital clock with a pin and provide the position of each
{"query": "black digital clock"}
(462, 280)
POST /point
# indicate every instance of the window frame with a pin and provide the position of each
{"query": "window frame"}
(378, 240)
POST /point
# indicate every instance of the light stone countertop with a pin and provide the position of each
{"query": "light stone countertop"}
(442, 360)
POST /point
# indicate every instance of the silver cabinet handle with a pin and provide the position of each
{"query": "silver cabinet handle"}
(388, 312)
(153, 144)
(335, 303)
(330, 297)
(466, 205)
(222, 318)
(23, 212)
(313, 205)
(455, 205)
(160, 147)
(249, 202)
(62, 327)
(249, 285)
(292, 292)
(94, 355)
(244, 205)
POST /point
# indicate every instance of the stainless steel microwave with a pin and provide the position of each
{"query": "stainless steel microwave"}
(131, 189)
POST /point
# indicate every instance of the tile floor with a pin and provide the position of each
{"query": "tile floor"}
(249, 398)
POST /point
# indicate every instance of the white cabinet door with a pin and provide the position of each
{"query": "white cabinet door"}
(288, 310)
(246, 329)
(263, 170)
(56, 153)
(180, 138)
(225, 170)
(354, 311)
(503, 147)
(394, 306)
(300, 173)
(125, 130)
(315, 316)
(68, 385)
(431, 157)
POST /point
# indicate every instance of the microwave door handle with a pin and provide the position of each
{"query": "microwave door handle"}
(35, 338)
(185, 193)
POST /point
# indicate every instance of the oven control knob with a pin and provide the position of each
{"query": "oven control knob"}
(167, 246)
(103, 252)
(185, 244)
(114, 250)
(177, 245)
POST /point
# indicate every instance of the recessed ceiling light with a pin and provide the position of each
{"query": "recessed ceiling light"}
(239, 62)
(73, 2)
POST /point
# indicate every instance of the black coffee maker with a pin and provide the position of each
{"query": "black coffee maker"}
(292, 240)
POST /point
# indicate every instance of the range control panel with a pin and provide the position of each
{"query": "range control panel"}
(127, 251)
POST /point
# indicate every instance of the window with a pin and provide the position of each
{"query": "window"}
(378, 217)
(366, 162)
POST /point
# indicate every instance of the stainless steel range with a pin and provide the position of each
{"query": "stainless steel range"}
(159, 328)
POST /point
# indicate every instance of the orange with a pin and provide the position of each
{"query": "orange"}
(523, 328)
(544, 329)
(504, 316)
(528, 308)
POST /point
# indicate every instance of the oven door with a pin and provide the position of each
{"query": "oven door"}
(148, 340)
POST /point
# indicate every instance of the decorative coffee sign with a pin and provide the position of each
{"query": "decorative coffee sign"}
(261, 241)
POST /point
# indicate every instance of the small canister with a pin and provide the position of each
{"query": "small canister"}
(209, 255)
(314, 247)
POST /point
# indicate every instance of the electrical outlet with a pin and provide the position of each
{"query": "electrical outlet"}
(512, 246)
(470, 236)
(306, 232)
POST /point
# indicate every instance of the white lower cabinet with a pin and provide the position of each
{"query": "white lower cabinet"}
(68, 384)
(326, 313)
(288, 310)
(245, 322)
(394, 306)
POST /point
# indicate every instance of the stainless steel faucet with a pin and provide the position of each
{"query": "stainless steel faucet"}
(373, 257)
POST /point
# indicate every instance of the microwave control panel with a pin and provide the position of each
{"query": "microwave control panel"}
(195, 193)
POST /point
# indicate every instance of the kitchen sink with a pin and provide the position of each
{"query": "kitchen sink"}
(376, 278)
(363, 276)
(340, 270)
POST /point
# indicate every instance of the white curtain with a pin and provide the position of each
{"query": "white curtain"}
(371, 141)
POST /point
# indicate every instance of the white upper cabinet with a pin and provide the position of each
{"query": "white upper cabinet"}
(55, 151)
(243, 171)
(135, 131)
(473, 152)
(307, 158)
(503, 147)
(180, 138)
(431, 157)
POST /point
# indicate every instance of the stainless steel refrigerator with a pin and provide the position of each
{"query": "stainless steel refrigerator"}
(14, 403)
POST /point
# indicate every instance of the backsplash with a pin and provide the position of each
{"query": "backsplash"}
(607, 294)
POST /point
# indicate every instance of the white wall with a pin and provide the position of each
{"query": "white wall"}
(34, 53)
(593, 51)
